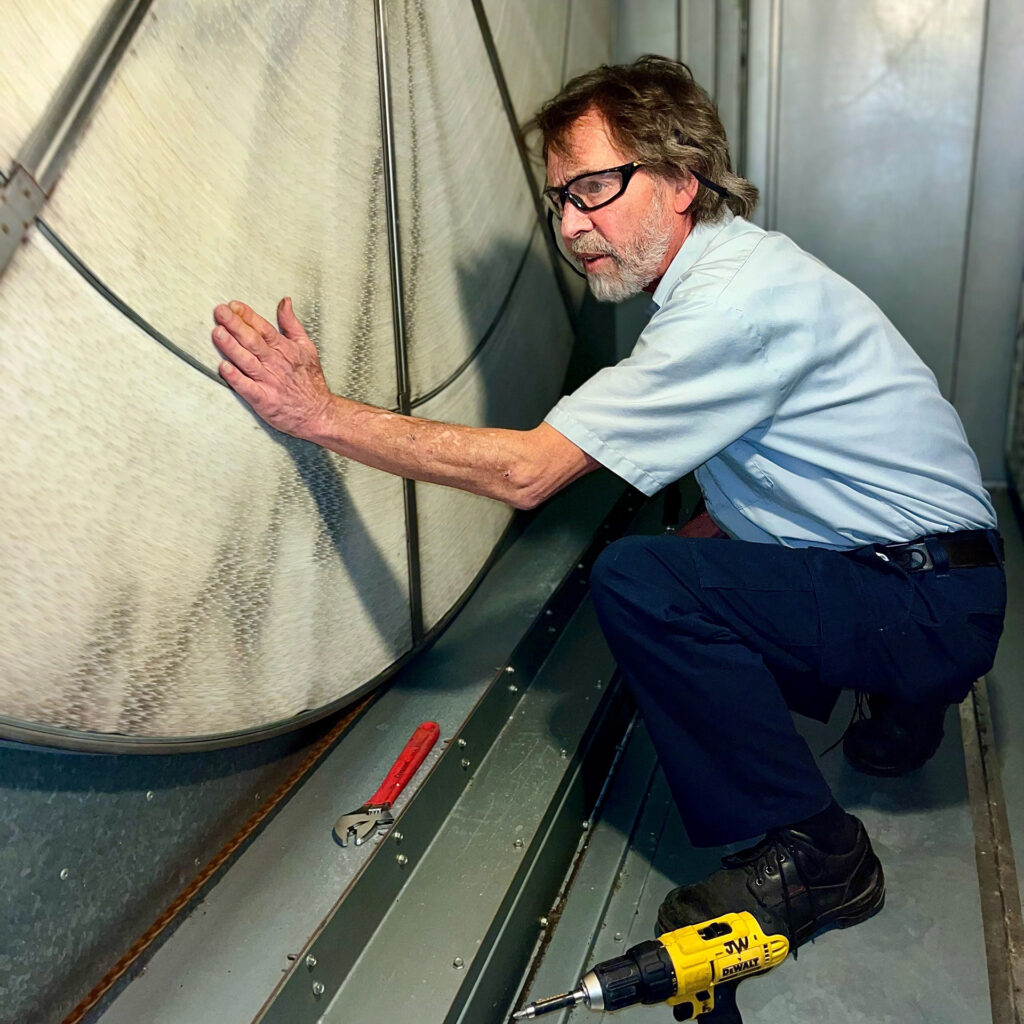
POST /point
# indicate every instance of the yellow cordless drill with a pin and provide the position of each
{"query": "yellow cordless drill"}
(695, 970)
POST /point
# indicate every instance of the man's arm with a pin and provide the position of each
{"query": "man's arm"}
(278, 373)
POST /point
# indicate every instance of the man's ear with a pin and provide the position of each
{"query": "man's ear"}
(683, 192)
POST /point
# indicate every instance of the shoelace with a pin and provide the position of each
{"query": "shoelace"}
(765, 860)
(860, 712)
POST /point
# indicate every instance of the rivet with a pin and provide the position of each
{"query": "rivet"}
(513, 688)
(310, 961)
(64, 872)
(618, 936)
(318, 989)
(465, 763)
(543, 922)
(510, 669)
(563, 753)
(518, 844)
(458, 963)
(398, 837)
(585, 824)
(462, 743)
(549, 612)
(401, 860)
(149, 794)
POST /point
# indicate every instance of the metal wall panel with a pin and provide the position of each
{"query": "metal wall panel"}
(877, 105)
(995, 244)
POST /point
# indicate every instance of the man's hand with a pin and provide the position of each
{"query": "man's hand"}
(277, 372)
(279, 375)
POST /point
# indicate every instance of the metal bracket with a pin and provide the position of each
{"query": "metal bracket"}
(21, 199)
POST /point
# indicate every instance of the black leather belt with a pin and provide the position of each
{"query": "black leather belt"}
(966, 549)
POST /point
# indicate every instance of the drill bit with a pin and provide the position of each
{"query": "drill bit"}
(552, 1003)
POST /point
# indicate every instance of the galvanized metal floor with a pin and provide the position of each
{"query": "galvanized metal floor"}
(922, 960)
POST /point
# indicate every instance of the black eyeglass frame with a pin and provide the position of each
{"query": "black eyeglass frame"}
(553, 195)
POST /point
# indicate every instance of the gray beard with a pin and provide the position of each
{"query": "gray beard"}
(636, 263)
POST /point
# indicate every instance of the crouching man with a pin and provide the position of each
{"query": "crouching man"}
(863, 550)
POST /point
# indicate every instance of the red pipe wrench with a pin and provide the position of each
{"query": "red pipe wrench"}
(375, 815)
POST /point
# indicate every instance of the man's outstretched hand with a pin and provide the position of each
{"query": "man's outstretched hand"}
(276, 371)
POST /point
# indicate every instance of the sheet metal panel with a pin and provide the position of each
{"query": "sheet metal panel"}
(433, 949)
(995, 245)
(875, 148)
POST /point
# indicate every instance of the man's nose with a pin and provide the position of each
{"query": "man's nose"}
(574, 222)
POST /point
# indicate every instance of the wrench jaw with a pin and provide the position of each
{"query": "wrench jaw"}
(362, 824)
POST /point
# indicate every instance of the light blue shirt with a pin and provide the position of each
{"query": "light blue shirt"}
(808, 418)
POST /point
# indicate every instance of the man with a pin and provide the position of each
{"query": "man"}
(864, 552)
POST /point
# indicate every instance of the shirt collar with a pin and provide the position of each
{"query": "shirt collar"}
(695, 245)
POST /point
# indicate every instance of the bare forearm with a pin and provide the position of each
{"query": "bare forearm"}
(509, 465)
(279, 374)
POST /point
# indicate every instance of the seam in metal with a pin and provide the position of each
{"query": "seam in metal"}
(954, 366)
(412, 537)
(486, 336)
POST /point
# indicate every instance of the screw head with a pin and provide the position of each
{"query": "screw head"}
(618, 936)
(458, 963)
(563, 753)
(149, 794)
(518, 844)
(397, 836)
(513, 688)
(401, 860)
(543, 922)
(462, 743)
(318, 989)
(64, 873)
(585, 824)
(311, 961)
(510, 669)
(465, 763)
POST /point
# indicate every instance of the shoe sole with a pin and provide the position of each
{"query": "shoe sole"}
(856, 911)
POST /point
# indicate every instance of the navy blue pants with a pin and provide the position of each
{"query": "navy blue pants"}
(720, 640)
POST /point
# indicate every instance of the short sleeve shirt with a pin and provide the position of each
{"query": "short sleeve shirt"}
(808, 418)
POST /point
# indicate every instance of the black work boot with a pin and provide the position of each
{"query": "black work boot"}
(898, 737)
(791, 886)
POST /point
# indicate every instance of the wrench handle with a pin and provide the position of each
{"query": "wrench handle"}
(409, 760)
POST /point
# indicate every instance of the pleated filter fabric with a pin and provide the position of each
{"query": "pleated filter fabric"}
(171, 568)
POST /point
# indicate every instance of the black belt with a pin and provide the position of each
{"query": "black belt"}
(966, 549)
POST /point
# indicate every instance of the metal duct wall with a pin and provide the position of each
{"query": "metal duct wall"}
(174, 573)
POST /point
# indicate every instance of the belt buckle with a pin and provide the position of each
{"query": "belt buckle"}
(912, 557)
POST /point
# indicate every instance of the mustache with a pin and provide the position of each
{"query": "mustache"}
(592, 244)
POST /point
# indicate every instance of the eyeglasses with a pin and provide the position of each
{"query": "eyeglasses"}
(592, 190)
